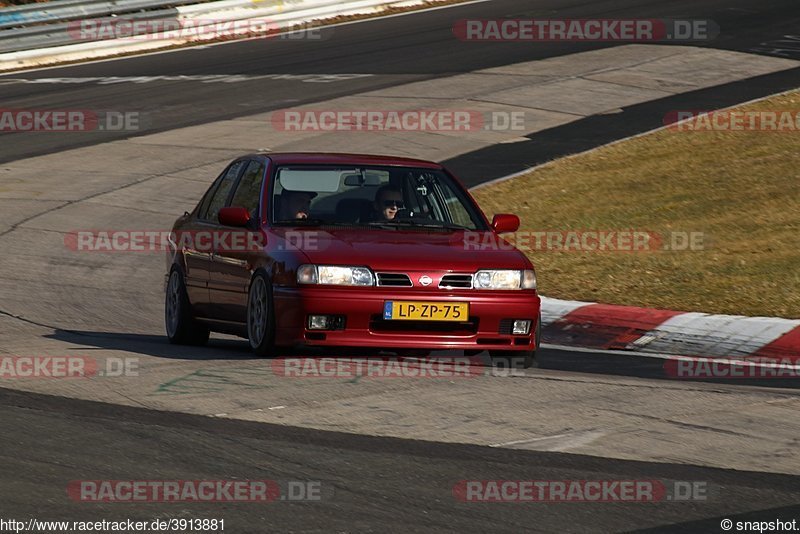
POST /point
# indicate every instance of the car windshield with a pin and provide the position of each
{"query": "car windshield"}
(379, 197)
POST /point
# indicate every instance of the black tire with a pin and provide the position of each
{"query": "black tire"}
(513, 359)
(261, 316)
(181, 327)
(414, 353)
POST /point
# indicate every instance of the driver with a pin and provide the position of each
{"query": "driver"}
(388, 199)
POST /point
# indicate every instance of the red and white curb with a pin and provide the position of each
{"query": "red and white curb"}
(613, 327)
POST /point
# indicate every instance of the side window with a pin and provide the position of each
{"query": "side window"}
(221, 194)
(458, 214)
(203, 209)
(436, 198)
(248, 192)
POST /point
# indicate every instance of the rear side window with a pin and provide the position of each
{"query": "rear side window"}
(220, 196)
(248, 193)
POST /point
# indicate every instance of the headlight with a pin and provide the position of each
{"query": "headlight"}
(334, 275)
(505, 279)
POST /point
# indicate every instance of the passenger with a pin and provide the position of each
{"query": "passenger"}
(295, 205)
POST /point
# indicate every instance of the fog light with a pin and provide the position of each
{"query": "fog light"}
(319, 322)
(326, 322)
(521, 327)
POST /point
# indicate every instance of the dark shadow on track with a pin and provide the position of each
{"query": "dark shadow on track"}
(554, 359)
(158, 346)
(503, 159)
(621, 364)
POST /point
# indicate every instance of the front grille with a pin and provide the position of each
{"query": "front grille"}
(506, 326)
(379, 324)
(394, 279)
(456, 281)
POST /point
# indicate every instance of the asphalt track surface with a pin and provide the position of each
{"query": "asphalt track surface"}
(379, 484)
(394, 50)
(368, 484)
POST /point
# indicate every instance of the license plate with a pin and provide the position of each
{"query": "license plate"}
(425, 311)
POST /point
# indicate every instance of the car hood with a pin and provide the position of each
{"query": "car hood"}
(402, 250)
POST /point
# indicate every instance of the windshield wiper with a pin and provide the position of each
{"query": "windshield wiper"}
(448, 226)
(379, 224)
(308, 222)
(417, 224)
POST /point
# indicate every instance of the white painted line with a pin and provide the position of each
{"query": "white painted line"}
(561, 442)
(202, 78)
(517, 442)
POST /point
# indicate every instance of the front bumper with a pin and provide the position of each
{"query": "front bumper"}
(488, 327)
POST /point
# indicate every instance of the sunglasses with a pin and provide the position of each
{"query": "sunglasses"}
(396, 203)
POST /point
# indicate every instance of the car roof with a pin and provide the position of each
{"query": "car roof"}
(331, 158)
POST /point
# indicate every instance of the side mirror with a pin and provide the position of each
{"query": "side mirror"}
(505, 222)
(234, 216)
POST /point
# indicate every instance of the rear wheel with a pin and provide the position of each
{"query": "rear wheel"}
(414, 353)
(182, 329)
(261, 316)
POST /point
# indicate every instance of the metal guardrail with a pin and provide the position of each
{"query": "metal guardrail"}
(65, 39)
(42, 36)
(34, 36)
(64, 10)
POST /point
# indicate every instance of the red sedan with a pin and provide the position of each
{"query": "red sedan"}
(343, 250)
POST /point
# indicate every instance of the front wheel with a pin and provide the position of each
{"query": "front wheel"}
(181, 327)
(513, 359)
(260, 316)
